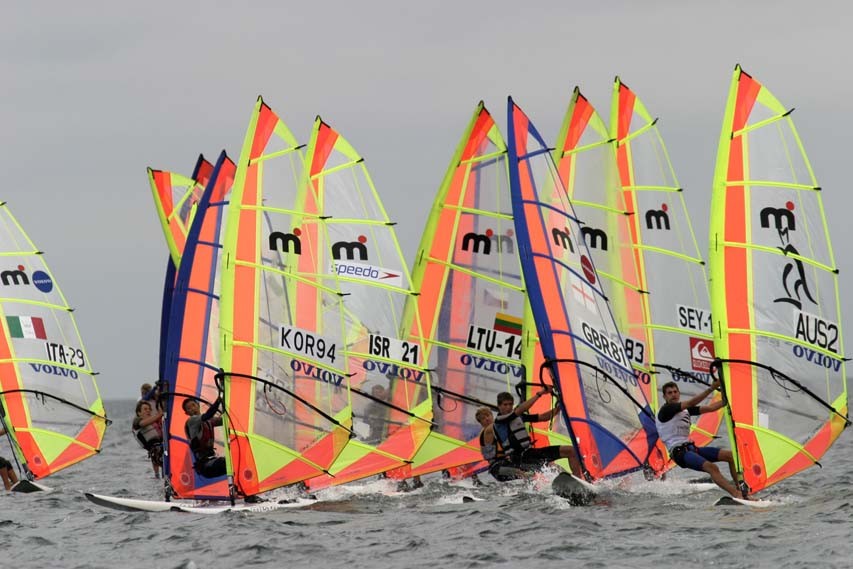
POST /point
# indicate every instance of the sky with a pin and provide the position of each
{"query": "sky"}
(92, 93)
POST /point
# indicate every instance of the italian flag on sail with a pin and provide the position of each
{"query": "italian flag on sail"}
(26, 327)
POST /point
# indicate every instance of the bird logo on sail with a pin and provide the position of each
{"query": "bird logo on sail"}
(784, 223)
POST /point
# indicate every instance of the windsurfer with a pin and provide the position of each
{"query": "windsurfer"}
(148, 429)
(506, 444)
(199, 429)
(7, 473)
(376, 414)
(673, 424)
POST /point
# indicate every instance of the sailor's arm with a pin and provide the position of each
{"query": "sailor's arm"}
(212, 410)
(524, 407)
(712, 407)
(548, 415)
(699, 397)
(488, 435)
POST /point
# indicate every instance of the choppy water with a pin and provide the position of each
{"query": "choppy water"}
(633, 524)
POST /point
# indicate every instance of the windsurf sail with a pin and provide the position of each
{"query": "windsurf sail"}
(282, 320)
(389, 381)
(774, 293)
(675, 311)
(606, 413)
(175, 199)
(52, 409)
(477, 325)
(192, 356)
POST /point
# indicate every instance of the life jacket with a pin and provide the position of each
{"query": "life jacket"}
(513, 435)
(494, 452)
(202, 444)
(676, 431)
(149, 434)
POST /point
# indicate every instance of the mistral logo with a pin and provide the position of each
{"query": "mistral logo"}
(658, 218)
(292, 243)
(286, 242)
(595, 238)
(488, 241)
(17, 277)
(563, 238)
(350, 249)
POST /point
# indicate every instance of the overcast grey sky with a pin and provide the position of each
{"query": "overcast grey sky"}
(93, 92)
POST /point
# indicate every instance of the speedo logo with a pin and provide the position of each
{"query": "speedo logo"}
(365, 272)
(487, 241)
(16, 277)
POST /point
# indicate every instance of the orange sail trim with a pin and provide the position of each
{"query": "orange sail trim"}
(738, 305)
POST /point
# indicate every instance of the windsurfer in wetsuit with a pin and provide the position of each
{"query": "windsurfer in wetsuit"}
(199, 431)
(673, 424)
(506, 444)
(148, 429)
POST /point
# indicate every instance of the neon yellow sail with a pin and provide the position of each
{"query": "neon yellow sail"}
(175, 199)
(389, 381)
(287, 410)
(52, 409)
(477, 323)
(675, 311)
(774, 293)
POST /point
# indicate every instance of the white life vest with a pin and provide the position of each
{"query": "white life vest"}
(676, 431)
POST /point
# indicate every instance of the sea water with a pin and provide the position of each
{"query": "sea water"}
(633, 523)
